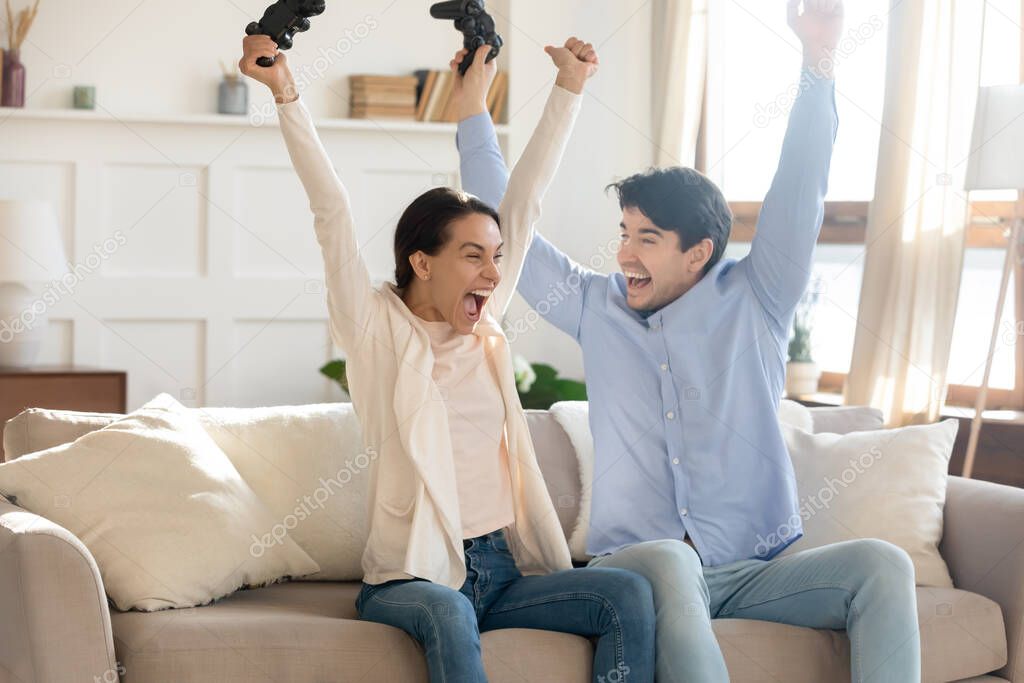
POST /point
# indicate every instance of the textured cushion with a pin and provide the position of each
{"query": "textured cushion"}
(159, 506)
(845, 419)
(962, 634)
(796, 415)
(557, 462)
(306, 632)
(36, 429)
(886, 484)
(305, 462)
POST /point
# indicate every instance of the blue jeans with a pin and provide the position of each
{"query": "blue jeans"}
(863, 586)
(614, 605)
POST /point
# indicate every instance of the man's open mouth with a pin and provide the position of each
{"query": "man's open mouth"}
(636, 280)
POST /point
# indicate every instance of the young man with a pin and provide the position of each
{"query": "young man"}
(693, 486)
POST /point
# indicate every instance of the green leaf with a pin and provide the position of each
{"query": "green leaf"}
(549, 389)
(335, 370)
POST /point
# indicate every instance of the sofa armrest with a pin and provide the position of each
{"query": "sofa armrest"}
(983, 545)
(54, 619)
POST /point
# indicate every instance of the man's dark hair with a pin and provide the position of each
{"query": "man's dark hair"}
(424, 226)
(682, 200)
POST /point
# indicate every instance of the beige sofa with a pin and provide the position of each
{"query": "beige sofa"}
(56, 625)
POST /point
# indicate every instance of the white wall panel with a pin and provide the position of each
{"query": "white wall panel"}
(159, 355)
(161, 213)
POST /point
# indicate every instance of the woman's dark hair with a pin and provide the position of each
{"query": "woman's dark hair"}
(682, 200)
(424, 226)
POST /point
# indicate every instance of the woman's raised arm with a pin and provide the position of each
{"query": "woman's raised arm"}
(350, 294)
(521, 206)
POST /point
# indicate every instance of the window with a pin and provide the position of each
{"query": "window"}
(749, 98)
(748, 103)
(748, 110)
(983, 263)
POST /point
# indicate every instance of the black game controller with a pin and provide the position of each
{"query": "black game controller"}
(476, 25)
(282, 20)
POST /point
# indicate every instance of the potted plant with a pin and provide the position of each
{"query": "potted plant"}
(802, 373)
(539, 385)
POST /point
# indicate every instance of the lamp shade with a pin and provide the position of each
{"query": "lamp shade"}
(995, 162)
(30, 246)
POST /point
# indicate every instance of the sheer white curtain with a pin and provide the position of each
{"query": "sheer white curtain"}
(916, 224)
(679, 55)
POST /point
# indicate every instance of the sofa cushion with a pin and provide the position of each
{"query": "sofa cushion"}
(962, 634)
(557, 462)
(887, 484)
(305, 462)
(846, 419)
(159, 506)
(309, 632)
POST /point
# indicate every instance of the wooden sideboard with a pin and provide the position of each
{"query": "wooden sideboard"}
(61, 388)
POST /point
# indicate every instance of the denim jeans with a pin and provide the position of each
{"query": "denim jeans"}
(865, 587)
(613, 605)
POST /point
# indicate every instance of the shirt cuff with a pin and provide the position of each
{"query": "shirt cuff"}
(474, 131)
(565, 98)
(811, 76)
(288, 105)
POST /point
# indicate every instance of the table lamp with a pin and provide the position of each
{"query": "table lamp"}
(31, 254)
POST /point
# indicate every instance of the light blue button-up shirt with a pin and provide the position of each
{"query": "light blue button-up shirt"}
(683, 401)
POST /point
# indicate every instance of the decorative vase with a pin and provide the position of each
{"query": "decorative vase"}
(84, 97)
(13, 94)
(233, 96)
(802, 378)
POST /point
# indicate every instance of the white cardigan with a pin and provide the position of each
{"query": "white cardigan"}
(415, 529)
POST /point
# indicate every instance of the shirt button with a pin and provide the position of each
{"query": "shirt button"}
(670, 415)
(675, 461)
(684, 512)
(664, 367)
(655, 325)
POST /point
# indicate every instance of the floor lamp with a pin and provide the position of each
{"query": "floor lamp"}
(995, 164)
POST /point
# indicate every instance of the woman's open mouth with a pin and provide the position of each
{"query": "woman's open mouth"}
(473, 303)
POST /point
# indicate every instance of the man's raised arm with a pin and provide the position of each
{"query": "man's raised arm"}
(782, 252)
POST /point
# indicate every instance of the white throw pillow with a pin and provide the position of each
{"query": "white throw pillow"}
(308, 464)
(888, 484)
(796, 415)
(166, 515)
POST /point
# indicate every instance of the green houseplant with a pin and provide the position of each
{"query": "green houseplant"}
(802, 373)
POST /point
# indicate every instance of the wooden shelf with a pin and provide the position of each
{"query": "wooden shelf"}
(229, 120)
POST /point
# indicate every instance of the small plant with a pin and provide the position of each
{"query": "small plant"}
(538, 385)
(803, 322)
(336, 370)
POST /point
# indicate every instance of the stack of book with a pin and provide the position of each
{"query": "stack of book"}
(434, 102)
(376, 97)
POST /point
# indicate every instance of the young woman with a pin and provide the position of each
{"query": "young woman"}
(463, 535)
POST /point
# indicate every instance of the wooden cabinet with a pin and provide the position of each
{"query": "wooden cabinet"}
(61, 388)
